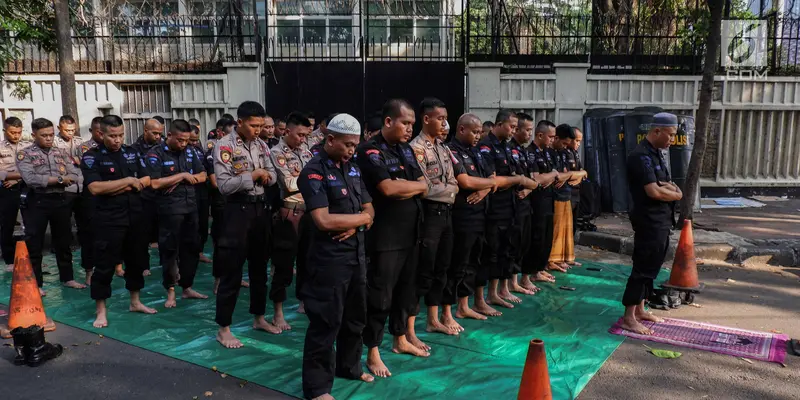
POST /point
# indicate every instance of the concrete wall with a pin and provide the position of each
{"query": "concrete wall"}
(755, 125)
(135, 97)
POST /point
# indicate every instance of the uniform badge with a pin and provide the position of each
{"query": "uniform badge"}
(331, 177)
(210, 145)
(225, 154)
(472, 167)
(111, 169)
(20, 156)
(281, 160)
(172, 168)
(237, 152)
(428, 144)
(344, 191)
(316, 177)
(84, 148)
(237, 166)
(89, 161)
(420, 157)
(62, 169)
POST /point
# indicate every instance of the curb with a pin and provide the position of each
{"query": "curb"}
(783, 255)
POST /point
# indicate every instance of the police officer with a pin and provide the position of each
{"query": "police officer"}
(469, 219)
(280, 127)
(47, 171)
(224, 126)
(317, 136)
(335, 294)
(372, 126)
(268, 132)
(151, 136)
(243, 167)
(79, 203)
(563, 252)
(174, 169)
(10, 189)
(542, 204)
(201, 194)
(289, 157)
(115, 175)
(523, 161)
(652, 192)
(436, 237)
(394, 181)
(96, 138)
(498, 255)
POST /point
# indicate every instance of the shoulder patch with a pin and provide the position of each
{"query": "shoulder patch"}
(20, 155)
(88, 160)
(485, 149)
(373, 151)
(316, 177)
(225, 154)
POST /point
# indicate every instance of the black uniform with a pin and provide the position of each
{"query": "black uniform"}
(117, 220)
(9, 198)
(498, 255)
(202, 195)
(178, 240)
(392, 241)
(335, 289)
(217, 201)
(150, 216)
(469, 223)
(542, 204)
(651, 220)
(521, 239)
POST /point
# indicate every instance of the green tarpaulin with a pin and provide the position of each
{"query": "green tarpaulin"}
(485, 362)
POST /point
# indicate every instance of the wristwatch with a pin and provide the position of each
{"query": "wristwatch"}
(60, 180)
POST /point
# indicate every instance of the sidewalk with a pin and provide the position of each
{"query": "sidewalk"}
(769, 234)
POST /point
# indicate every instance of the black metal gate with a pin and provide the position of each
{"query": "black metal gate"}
(354, 58)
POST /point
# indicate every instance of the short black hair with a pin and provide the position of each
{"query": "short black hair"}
(12, 121)
(224, 123)
(374, 123)
(297, 118)
(488, 124)
(504, 116)
(96, 122)
(110, 121)
(228, 116)
(160, 119)
(564, 131)
(249, 109)
(179, 126)
(66, 119)
(391, 109)
(40, 123)
(310, 115)
(278, 121)
(428, 104)
(195, 129)
(544, 125)
(524, 117)
(194, 121)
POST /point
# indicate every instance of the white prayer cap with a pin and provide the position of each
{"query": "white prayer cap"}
(344, 124)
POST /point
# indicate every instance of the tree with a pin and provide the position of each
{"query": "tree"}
(24, 23)
(66, 65)
(703, 110)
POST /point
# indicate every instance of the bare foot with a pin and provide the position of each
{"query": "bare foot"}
(469, 313)
(412, 338)
(153, 245)
(245, 283)
(574, 263)
(42, 293)
(302, 308)
(498, 301)
(403, 346)
(226, 338)
(635, 327)
(648, 316)
(10, 268)
(556, 267)
(170, 303)
(376, 365)
(325, 396)
(141, 308)
(101, 321)
(216, 285)
(517, 288)
(438, 327)
(74, 285)
(544, 276)
(190, 293)
(260, 324)
(365, 377)
(146, 272)
(527, 284)
(204, 259)
(119, 271)
(89, 273)
(507, 296)
(486, 310)
(281, 323)
(451, 324)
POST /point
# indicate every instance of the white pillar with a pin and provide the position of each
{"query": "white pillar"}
(483, 89)
(570, 92)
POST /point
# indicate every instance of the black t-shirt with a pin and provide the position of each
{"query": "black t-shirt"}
(201, 189)
(396, 221)
(499, 161)
(543, 163)
(521, 162)
(645, 166)
(564, 193)
(574, 164)
(162, 163)
(468, 217)
(215, 197)
(342, 191)
(101, 165)
(142, 147)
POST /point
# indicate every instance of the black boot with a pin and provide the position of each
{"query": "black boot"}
(22, 344)
(37, 349)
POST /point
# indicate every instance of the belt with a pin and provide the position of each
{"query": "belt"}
(294, 205)
(437, 206)
(246, 198)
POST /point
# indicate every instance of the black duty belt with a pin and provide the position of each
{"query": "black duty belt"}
(436, 206)
(246, 198)
(294, 205)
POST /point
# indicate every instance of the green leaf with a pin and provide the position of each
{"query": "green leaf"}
(665, 353)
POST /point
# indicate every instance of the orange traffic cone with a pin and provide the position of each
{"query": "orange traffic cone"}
(25, 308)
(535, 383)
(683, 276)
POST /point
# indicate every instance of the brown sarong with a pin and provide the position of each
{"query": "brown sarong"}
(563, 243)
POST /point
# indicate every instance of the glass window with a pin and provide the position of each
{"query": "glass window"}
(288, 30)
(428, 30)
(288, 7)
(376, 7)
(341, 7)
(314, 30)
(340, 31)
(404, 7)
(401, 30)
(376, 31)
(428, 8)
